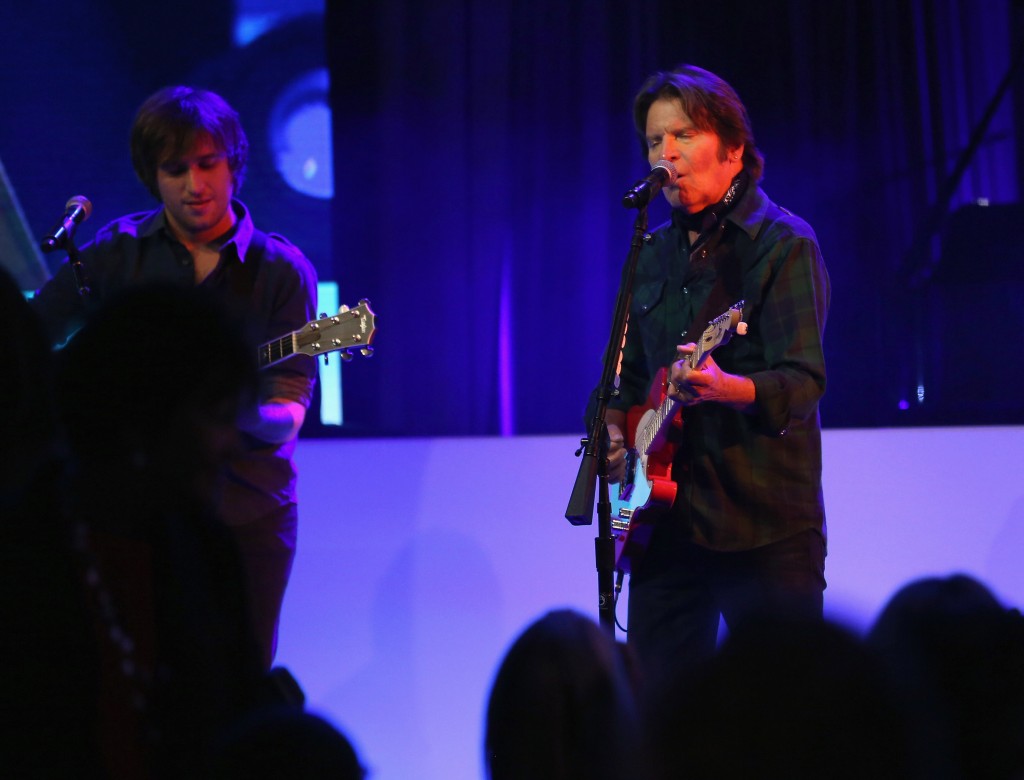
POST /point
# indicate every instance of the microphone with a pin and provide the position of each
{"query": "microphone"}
(76, 211)
(641, 193)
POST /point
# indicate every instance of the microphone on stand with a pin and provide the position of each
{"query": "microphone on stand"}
(76, 211)
(641, 193)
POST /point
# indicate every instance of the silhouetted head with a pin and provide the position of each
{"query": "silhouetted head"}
(957, 655)
(561, 705)
(29, 431)
(286, 742)
(784, 697)
(154, 381)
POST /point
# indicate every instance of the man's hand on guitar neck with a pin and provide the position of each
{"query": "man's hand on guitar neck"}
(708, 382)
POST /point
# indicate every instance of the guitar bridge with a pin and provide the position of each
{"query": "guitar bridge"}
(621, 523)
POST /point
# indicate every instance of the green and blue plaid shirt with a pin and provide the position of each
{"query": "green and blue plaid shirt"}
(746, 479)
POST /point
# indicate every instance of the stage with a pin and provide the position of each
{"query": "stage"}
(420, 560)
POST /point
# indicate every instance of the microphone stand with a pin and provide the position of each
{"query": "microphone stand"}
(81, 279)
(594, 466)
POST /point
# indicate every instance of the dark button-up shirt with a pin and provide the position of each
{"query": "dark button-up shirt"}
(746, 479)
(278, 298)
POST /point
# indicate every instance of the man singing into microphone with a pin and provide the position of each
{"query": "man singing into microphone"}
(189, 150)
(745, 535)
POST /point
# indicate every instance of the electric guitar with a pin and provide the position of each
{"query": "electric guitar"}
(647, 485)
(346, 331)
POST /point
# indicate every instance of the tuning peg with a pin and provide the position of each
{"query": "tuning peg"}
(366, 351)
(344, 308)
(323, 315)
(346, 356)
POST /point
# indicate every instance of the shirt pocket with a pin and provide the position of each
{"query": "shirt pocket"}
(650, 316)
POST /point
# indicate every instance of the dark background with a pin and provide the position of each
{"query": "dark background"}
(481, 148)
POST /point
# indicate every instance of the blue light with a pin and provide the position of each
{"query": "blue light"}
(300, 135)
(330, 374)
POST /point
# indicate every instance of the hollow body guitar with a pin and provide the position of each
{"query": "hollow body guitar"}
(647, 489)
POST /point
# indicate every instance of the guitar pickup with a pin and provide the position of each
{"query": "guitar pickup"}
(621, 523)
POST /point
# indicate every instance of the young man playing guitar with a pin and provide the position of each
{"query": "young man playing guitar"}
(189, 149)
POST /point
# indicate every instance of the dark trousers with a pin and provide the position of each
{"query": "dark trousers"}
(267, 547)
(679, 591)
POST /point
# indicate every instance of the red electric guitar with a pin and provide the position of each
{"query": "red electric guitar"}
(648, 485)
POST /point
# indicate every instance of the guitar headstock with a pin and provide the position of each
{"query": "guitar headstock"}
(348, 331)
(719, 331)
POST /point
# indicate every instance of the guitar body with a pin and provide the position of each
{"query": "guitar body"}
(647, 490)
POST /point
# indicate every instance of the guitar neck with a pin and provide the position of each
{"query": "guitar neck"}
(275, 351)
(662, 417)
(656, 425)
(718, 332)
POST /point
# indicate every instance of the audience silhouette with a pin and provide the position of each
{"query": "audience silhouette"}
(561, 706)
(285, 742)
(48, 701)
(147, 391)
(783, 697)
(956, 656)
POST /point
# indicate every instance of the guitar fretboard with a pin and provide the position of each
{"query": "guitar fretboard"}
(276, 350)
(714, 335)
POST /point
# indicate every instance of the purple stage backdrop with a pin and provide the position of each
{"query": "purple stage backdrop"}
(460, 163)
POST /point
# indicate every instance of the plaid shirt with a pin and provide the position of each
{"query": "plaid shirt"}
(746, 479)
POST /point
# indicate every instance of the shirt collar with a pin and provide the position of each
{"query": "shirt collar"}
(750, 211)
(240, 239)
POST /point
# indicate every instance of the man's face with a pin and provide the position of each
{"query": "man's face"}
(705, 167)
(196, 191)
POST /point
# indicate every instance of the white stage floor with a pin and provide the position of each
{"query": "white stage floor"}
(420, 560)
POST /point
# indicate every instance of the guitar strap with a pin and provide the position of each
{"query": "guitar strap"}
(708, 252)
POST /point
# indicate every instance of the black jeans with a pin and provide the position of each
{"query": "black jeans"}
(267, 547)
(678, 592)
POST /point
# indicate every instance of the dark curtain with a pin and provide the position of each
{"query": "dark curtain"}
(481, 149)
